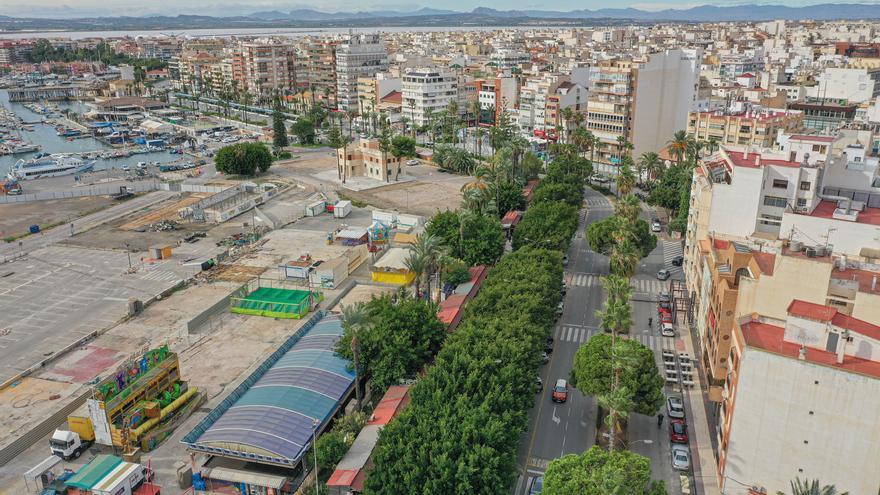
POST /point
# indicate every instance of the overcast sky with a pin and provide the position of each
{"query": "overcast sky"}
(69, 8)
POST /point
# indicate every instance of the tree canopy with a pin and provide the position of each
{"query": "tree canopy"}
(304, 129)
(591, 371)
(599, 472)
(243, 159)
(549, 224)
(600, 235)
(476, 239)
(279, 130)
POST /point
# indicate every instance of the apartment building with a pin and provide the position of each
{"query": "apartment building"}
(749, 126)
(825, 116)
(846, 84)
(426, 91)
(799, 402)
(509, 58)
(357, 56)
(316, 69)
(193, 68)
(644, 101)
(268, 66)
(496, 95)
(372, 89)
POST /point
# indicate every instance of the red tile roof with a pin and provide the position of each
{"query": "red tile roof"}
(771, 338)
(766, 261)
(393, 97)
(864, 278)
(825, 209)
(861, 327)
(395, 399)
(818, 139)
(450, 308)
(748, 160)
(810, 310)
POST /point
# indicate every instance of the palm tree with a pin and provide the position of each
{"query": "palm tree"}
(649, 164)
(712, 144)
(695, 146)
(417, 264)
(807, 487)
(476, 109)
(430, 248)
(355, 319)
(618, 402)
(385, 137)
(618, 288)
(626, 180)
(478, 137)
(625, 255)
(627, 209)
(678, 145)
(567, 114)
(459, 160)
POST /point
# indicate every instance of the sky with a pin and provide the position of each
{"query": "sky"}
(79, 8)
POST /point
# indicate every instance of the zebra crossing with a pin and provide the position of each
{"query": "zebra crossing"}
(159, 276)
(598, 203)
(645, 285)
(671, 249)
(579, 334)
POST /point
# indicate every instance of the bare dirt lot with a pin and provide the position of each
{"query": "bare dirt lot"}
(16, 218)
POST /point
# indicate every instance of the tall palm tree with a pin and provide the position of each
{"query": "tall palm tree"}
(811, 487)
(627, 209)
(694, 148)
(356, 319)
(649, 164)
(626, 180)
(567, 114)
(431, 249)
(678, 145)
(417, 264)
(618, 288)
(618, 402)
(478, 137)
(625, 255)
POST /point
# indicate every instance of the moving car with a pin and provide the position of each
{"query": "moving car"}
(412, 162)
(667, 330)
(560, 391)
(663, 274)
(537, 485)
(677, 261)
(678, 431)
(655, 226)
(674, 407)
(681, 458)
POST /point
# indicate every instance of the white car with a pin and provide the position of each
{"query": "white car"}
(681, 458)
(674, 407)
(656, 227)
(667, 330)
(412, 162)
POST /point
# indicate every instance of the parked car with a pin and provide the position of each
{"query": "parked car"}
(655, 226)
(681, 458)
(677, 261)
(537, 485)
(545, 358)
(663, 296)
(412, 162)
(665, 318)
(560, 391)
(664, 306)
(674, 407)
(564, 260)
(667, 330)
(548, 346)
(560, 308)
(539, 385)
(678, 431)
(663, 274)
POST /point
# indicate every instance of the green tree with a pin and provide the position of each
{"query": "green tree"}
(678, 146)
(811, 487)
(482, 241)
(446, 226)
(337, 141)
(403, 335)
(279, 138)
(591, 372)
(243, 159)
(600, 235)
(570, 193)
(304, 129)
(509, 196)
(456, 272)
(597, 472)
(402, 147)
(549, 224)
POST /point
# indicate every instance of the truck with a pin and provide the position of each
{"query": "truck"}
(124, 480)
(124, 193)
(70, 444)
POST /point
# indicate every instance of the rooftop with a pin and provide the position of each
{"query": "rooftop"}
(868, 281)
(828, 314)
(818, 139)
(826, 209)
(771, 338)
(271, 416)
(754, 160)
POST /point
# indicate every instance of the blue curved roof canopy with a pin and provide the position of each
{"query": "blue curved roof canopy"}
(271, 416)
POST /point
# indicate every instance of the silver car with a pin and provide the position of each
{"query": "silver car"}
(681, 458)
(674, 407)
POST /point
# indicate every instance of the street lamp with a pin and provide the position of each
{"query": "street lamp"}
(315, 452)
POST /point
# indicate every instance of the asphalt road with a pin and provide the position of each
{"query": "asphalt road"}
(559, 429)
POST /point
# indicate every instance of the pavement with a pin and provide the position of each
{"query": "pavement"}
(560, 429)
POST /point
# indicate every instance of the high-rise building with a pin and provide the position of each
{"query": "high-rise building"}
(427, 91)
(358, 56)
(268, 66)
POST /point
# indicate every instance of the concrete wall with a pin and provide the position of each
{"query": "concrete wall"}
(793, 278)
(848, 237)
(808, 421)
(867, 307)
(735, 206)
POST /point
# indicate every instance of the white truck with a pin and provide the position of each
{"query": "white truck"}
(123, 480)
(70, 444)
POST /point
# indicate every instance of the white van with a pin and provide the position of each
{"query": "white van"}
(123, 480)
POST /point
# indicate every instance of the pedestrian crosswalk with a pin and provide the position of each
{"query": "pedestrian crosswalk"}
(644, 285)
(579, 334)
(598, 203)
(671, 249)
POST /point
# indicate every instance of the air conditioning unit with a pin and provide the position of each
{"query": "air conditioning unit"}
(810, 252)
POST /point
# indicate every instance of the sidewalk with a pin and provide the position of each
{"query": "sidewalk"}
(702, 457)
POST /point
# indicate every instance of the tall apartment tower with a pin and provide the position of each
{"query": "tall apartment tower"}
(427, 91)
(268, 66)
(361, 55)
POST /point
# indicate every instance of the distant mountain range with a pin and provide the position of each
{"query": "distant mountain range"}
(480, 16)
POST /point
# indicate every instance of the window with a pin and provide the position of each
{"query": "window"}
(780, 183)
(815, 147)
(801, 202)
(772, 220)
(805, 185)
(775, 201)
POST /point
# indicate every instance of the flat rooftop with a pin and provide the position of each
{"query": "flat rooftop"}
(826, 209)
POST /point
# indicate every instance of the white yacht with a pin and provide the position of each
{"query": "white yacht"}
(45, 165)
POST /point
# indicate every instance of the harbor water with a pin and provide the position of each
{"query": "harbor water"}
(45, 135)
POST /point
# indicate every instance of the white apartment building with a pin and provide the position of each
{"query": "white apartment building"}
(509, 58)
(426, 91)
(361, 55)
(816, 417)
(852, 85)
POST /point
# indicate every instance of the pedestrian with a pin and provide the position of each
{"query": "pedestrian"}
(659, 421)
(650, 322)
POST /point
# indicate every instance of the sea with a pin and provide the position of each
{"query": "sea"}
(293, 32)
(45, 135)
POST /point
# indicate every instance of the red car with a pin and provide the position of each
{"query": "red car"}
(678, 431)
(560, 391)
(665, 317)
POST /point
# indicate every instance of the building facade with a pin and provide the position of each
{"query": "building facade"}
(360, 55)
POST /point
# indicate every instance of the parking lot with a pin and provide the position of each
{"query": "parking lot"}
(57, 295)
